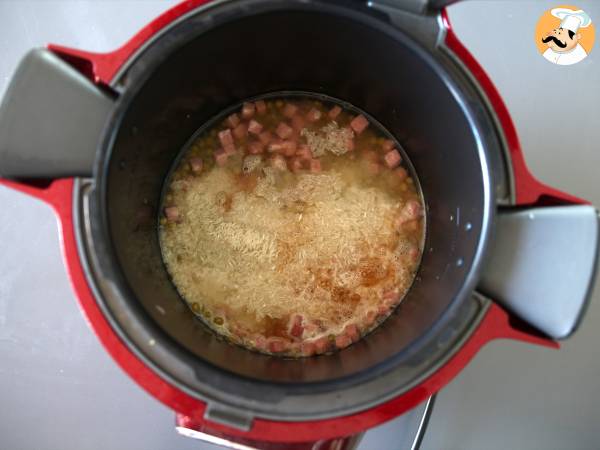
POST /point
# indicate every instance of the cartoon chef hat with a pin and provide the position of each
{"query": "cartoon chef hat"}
(572, 20)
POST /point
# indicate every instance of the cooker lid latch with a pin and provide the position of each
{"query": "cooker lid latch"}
(418, 18)
(231, 417)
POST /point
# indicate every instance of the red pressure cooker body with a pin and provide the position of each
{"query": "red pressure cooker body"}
(496, 323)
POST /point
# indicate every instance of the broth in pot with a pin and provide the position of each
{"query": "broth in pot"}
(292, 226)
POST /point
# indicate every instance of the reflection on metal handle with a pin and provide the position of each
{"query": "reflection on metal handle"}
(187, 432)
(424, 422)
(236, 443)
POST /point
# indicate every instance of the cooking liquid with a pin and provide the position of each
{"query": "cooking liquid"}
(292, 240)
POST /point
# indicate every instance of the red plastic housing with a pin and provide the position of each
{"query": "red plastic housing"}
(102, 68)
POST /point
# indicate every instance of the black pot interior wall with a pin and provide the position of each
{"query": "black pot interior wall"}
(376, 70)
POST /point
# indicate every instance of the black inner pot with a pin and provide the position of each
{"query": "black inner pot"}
(203, 66)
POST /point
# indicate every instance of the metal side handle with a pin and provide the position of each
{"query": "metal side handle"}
(542, 265)
(51, 119)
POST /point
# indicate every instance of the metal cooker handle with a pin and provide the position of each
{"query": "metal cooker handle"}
(542, 265)
(51, 119)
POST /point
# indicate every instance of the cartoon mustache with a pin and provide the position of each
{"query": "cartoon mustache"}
(556, 41)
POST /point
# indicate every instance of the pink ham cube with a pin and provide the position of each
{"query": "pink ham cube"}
(196, 164)
(387, 145)
(221, 157)
(308, 348)
(412, 210)
(277, 345)
(342, 341)
(288, 148)
(229, 149)
(265, 137)
(233, 120)
(172, 213)
(392, 159)
(351, 330)
(226, 138)
(313, 115)
(322, 345)
(304, 152)
(359, 123)
(275, 146)
(315, 166)
(261, 107)
(254, 127)
(334, 112)
(256, 147)
(289, 110)
(296, 164)
(248, 110)
(241, 131)
(298, 122)
(284, 131)
(295, 327)
(400, 173)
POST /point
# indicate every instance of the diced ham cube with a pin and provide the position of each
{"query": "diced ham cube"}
(221, 157)
(392, 159)
(172, 213)
(359, 124)
(412, 210)
(334, 112)
(284, 131)
(298, 122)
(295, 328)
(387, 145)
(350, 144)
(278, 162)
(261, 107)
(248, 110)
(196, 164)
(260, 342)
(277, 345)
(304, 152)
(241, 131)
(275, 146)
(315, 166)
(265, 137)
(407, 217)
(233, 120)
(288, 148)
(313, 115)
(308, 348)
(400, 173)
(342, 341)
(382, 311)
(413, 252)
(254, 127)
(390, 298)
(322, 345)
(370, 318)
(351, 330)
(256, 147)
(226, 138)
(289, 110)
(229, 149)
(296, 164)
